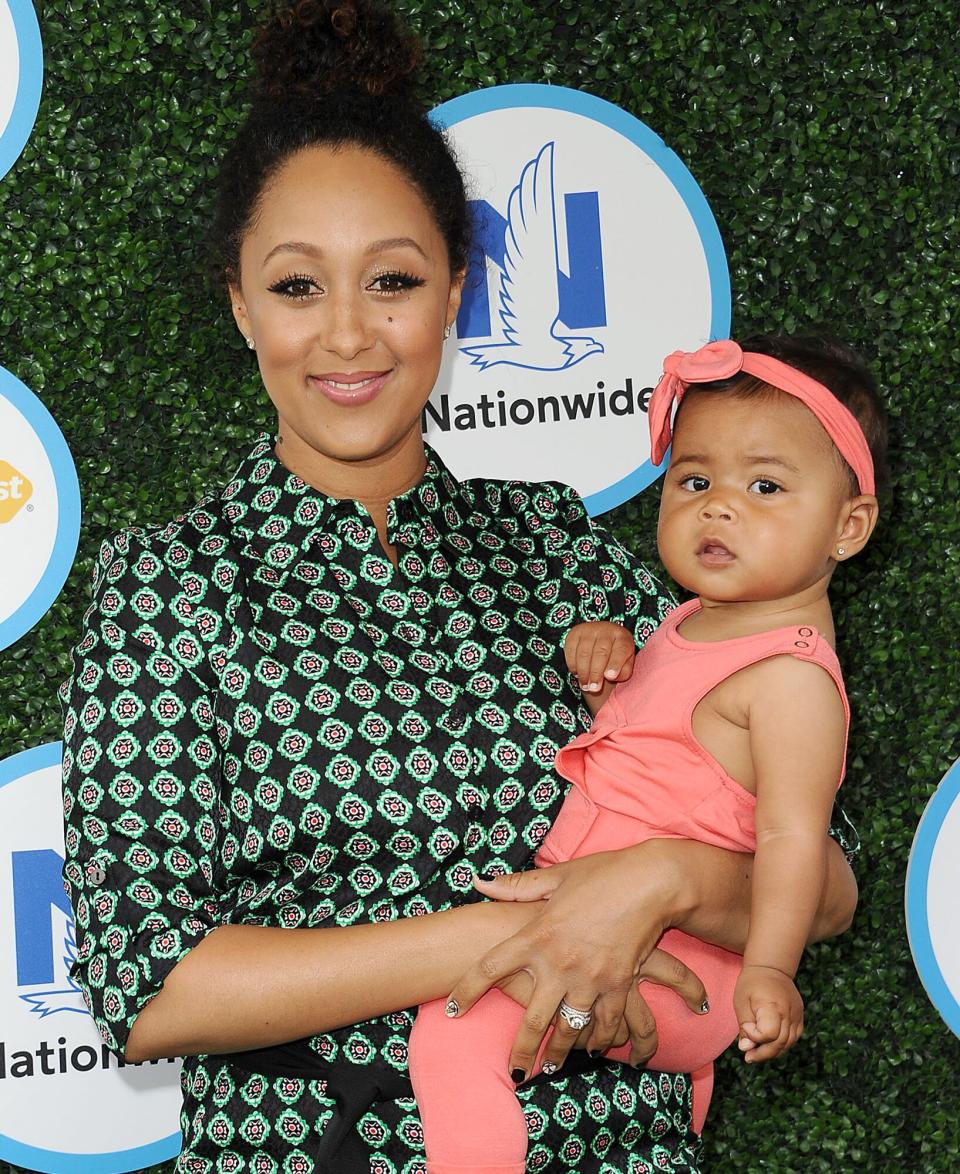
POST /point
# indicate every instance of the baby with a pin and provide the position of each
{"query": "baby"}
(728, 727)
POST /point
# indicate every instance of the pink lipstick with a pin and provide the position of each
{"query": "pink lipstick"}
(349, 389)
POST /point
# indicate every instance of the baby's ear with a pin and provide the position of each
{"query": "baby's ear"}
(857, 523)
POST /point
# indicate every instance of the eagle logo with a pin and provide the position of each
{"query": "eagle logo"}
(531, 321)
(63, 994)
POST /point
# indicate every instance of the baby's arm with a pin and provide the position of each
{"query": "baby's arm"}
(797, 732)
(599, 654)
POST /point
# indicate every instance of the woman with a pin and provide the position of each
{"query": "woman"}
(304, 714)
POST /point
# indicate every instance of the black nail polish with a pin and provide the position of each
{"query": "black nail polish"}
(593, 1054)
(517, 1075)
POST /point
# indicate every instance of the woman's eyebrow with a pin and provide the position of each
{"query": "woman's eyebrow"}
(395, 242)
(294, 247)
(380, 246)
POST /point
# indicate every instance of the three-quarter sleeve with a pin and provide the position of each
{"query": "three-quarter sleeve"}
(616, 584)
(140, 782)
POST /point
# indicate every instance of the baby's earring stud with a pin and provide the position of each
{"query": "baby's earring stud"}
(446, 332)
(251, 344)
(841, 551)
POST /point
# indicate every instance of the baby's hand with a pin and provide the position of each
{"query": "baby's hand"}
(769, 1010)
(599, 654)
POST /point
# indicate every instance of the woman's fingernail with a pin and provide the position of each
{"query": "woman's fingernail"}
(548, 1067)
(593, 1053)
(704, 1007)
(517, 1075)
(452, 1008)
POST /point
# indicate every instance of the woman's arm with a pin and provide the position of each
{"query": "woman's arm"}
(603, 916)
(710, 890)
(143, 833)
(247, 987)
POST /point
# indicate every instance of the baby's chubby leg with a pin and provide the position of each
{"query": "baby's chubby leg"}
(688, 1042)
(472, 1120)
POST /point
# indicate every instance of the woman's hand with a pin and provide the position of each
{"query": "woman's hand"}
(592, 942)
(637, 1025)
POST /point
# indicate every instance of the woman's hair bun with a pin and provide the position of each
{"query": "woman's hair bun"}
(318, 47)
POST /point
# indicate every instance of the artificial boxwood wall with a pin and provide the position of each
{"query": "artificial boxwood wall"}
(825, 135)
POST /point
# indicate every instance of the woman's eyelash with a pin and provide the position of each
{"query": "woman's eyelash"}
(299, 286)
(285, 286)
(399, 280)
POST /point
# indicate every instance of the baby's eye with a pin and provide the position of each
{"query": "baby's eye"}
(695, 483)
(395, 283)
(298, 287)
(765, 486)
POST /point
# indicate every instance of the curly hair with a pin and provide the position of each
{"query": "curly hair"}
(336, 73)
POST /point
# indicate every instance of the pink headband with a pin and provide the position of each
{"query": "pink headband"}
(724, 359)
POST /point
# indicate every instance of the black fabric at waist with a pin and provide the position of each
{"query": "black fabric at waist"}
(354, 1088)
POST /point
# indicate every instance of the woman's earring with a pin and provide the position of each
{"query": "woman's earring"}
(446, 333)
(251, 344)
(841, 550)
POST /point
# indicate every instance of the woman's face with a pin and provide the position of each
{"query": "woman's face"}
(346, 289)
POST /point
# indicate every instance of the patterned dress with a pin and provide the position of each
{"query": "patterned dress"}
(270, 724)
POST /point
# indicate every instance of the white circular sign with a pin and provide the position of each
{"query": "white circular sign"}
(595, 256)
(66, 1106)
(21, 78)
(39, 509)
(933, 882)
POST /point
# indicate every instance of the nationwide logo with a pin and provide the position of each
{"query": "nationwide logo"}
(532, 322)
(21, 78)
(42, 917)
(15, 491)
(594, 255)
(50, 1051)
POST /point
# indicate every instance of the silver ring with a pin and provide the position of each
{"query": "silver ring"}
(574, 1018)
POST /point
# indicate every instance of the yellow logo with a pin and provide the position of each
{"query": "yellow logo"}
(15, 491)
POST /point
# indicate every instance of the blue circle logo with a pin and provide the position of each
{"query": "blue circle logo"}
(39, 509)
(68, 1106)
(933, 881)
(595, 254)
(21, 69)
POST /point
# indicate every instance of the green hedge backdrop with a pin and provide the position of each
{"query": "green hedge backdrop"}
(825, 135)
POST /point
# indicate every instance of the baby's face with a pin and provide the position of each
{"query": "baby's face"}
(753, 501)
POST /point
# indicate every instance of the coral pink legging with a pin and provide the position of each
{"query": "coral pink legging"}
(471, 1117)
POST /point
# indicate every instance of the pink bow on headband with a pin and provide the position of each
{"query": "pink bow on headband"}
(722, 360)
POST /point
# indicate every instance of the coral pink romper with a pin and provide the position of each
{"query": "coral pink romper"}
(636, 774)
